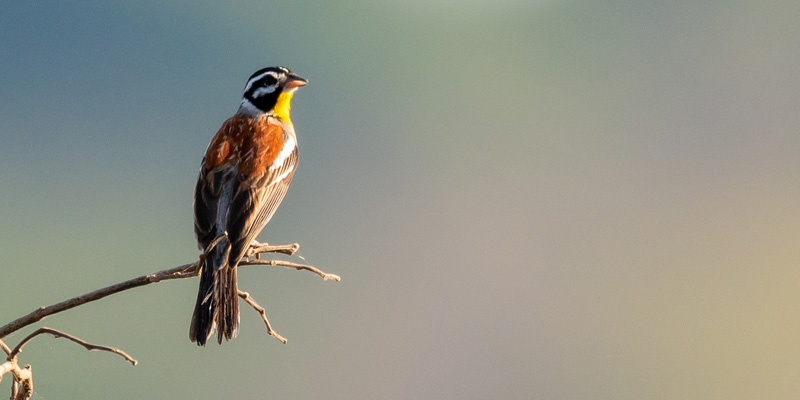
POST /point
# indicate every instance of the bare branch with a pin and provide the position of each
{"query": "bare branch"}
(287, 264)
(257, 248)
(59, 334)
(184, 271)
(246, 297)
(22, 385)
(180, 272)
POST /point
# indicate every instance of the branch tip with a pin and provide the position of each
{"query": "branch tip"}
(299, 267)
(246, 297)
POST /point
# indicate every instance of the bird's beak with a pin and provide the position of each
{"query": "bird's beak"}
(294, 81)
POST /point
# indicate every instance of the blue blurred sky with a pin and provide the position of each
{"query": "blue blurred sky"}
(525, 199)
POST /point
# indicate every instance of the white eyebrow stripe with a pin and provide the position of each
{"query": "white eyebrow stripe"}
(258, 78)
(251, 81)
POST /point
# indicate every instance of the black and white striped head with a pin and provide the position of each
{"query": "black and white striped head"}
(263, 90)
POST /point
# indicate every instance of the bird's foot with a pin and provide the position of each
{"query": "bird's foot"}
(254, 249)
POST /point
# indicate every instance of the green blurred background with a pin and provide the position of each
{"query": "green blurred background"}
(525, 199)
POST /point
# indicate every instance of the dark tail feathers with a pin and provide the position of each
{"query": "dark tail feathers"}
(217, 306)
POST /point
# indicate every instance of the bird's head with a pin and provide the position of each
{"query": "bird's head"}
(270, 90)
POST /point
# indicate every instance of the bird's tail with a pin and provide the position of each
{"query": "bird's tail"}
(217, 306)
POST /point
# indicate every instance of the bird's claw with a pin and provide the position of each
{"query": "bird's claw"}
(252, 250)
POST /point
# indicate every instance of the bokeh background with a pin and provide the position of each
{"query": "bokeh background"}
(525, 199)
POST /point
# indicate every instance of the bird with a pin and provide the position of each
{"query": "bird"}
(244, 175)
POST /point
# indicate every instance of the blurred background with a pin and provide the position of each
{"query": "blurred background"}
(525, 199)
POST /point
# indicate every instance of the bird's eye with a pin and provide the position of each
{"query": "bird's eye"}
(269, 80)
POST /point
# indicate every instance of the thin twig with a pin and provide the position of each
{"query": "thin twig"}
(287, 264)
(59, 334)
(246, 297)
(180, 272)
(5, 348)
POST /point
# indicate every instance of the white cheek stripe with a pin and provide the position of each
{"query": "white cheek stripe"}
(263, 90)
(288, 147)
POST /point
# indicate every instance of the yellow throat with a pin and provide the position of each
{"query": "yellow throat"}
(283, 106)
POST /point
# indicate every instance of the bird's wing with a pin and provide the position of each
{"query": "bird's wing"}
(213, 188)
(254, 201)
(214, 184)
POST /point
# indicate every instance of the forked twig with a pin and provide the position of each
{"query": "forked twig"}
(12, 367)
(58, 334)
(180, 272)
(22, 387)
(246, 297)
